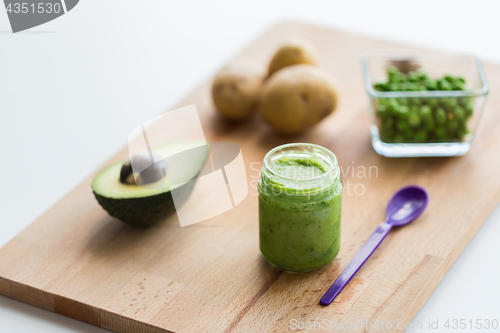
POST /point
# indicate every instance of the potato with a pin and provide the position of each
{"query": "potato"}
(297, 97)
(296, 51)
(236, 90)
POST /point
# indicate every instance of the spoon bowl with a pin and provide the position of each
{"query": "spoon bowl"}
(406, 205)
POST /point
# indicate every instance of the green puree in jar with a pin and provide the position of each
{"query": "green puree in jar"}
(300, 199)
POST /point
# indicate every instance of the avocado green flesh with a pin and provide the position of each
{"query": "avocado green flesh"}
(150, 203)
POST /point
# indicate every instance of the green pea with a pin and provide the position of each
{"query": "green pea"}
(465, 100)
(432, 101)
(398, 138)
(414, 109)
(415, 101)
(403, 112)
(380, 86)
(414, 120)
(403, 101)
(403, 77)
(383, 101)
(395, 76)
(388, 123)
(409, 135)
(440, 116)
(405, 86)
(442, 100)
(394, 107)
(444, 85)
(422, 75)
(440, 134)
(468, 110)
(457, 85)
(453, 125)
(461, 79)
(429, 124)
(402, 125)
(413, 76)
(392, 101)
(425, 112)
(461, 134)
(431, 84)
(463, 125)
(393, 86)
(382, 107)
(382, 112)
(421, 135)
(449, 78)
(459, 113)
(414, 87)
(449, 102)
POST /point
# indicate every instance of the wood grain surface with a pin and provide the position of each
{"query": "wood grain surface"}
(78, 261)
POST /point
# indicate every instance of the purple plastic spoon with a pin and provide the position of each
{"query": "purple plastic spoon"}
(405, 206)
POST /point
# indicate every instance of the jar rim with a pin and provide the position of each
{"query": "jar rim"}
(327, 152)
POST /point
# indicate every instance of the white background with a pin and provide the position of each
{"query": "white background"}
(72, 90)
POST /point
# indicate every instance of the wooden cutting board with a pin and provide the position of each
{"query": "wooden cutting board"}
(77, 261)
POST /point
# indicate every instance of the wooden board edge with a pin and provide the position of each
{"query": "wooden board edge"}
(74, 309)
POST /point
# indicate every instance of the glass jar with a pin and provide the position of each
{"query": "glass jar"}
(300, 203)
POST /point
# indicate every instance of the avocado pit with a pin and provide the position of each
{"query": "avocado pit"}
(142, 169)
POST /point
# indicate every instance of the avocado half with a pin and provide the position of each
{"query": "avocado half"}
(147, 204)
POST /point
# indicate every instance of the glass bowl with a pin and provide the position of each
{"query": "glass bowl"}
(418, 114)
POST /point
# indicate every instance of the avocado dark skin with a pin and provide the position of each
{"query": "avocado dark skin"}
(144, 211)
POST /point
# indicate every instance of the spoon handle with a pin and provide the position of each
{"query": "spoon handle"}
(359, 259)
